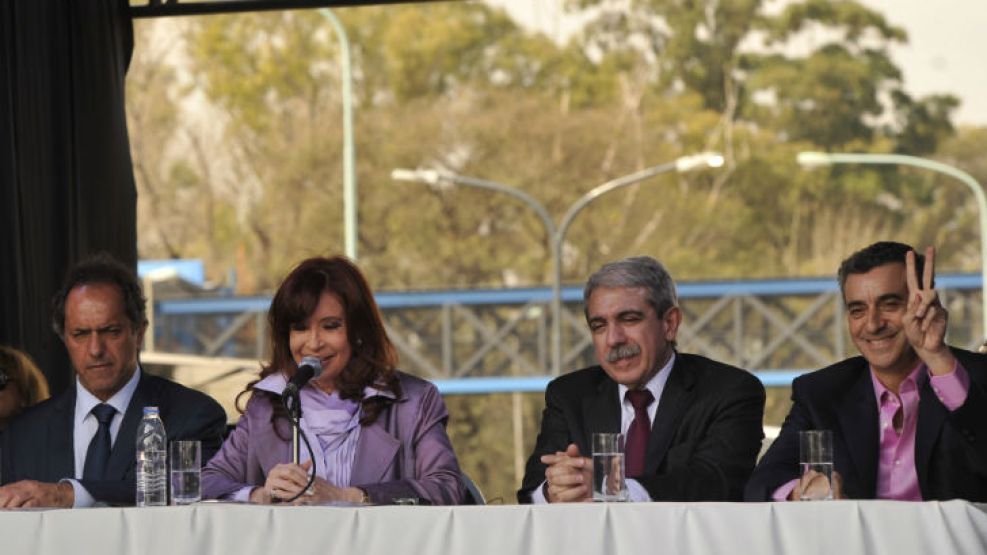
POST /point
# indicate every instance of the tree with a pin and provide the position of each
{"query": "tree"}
(237, 146)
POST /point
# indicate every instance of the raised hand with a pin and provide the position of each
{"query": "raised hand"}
(925, 318)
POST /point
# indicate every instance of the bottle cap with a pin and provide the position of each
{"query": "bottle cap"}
(150, 410)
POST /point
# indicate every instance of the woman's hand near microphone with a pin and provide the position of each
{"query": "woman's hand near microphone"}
(285, 481)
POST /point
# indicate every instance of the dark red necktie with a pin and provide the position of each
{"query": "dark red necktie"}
(637, 434)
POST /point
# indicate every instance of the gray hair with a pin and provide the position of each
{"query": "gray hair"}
(634, 272)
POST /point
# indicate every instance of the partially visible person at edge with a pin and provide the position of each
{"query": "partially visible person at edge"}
(908, 417)
(22, 385)
(693, 425)
(378, 434)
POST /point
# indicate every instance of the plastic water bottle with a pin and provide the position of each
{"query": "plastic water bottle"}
(152, 468)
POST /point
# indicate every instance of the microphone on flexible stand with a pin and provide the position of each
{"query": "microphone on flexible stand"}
(308, 369)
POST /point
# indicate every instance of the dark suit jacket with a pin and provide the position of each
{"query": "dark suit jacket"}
(950, 448)
(704, 440)
(38, 444)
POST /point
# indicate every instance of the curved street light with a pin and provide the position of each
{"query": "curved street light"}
(556, 235)
(349, 148)
(815, 159)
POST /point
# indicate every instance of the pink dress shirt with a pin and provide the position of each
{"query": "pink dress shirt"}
(896, 474)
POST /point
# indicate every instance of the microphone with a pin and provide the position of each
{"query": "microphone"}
(309, 368)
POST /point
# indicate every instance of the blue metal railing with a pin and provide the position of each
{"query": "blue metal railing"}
(413, 299)
(537, 384)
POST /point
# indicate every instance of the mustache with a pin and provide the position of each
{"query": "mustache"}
(623, 351)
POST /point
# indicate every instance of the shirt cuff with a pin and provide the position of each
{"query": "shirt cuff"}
(636, 492)
(241, 495)
(952, 388)
(782, 493)
(82, 496)
(538, 496)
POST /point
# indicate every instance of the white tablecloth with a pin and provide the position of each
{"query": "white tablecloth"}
(837, 527)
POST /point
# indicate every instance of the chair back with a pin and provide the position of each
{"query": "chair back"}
(473, 494)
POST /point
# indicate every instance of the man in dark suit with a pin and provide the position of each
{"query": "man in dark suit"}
(78, 448)
(908, 417)
(693, 425)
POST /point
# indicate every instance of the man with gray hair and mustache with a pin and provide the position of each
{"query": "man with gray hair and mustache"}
(693, 425)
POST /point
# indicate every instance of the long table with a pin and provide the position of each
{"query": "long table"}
(835, 527)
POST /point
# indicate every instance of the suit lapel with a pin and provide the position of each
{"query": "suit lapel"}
(857, 417)
(60, 430)
(675, 398)
(931, 417)
(375, 452)
(601, 413)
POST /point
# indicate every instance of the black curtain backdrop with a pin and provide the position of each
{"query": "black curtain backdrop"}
(66, 180)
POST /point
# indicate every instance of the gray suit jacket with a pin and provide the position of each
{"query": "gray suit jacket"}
(38, 445)
(404, 453)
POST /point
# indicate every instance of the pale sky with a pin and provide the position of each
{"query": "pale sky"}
(947, 40)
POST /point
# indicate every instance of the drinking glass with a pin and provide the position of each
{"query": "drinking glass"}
(186, 468)
(816, 464)
(608, 467)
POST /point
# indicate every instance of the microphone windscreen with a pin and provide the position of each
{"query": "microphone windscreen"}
(314, 363)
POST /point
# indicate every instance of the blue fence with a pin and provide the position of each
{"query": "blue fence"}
(413, 299)
(537, 384)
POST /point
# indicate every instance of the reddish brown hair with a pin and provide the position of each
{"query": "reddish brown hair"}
(373, 360)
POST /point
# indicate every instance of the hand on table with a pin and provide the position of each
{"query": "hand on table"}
(814, 486)
(324, 492)
(569, 476)
(284, 481)
(29, 493)
(287, 480)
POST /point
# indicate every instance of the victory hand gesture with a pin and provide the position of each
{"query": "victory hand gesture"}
(925, 318)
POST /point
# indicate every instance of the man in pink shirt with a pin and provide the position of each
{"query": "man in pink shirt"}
(909, 417)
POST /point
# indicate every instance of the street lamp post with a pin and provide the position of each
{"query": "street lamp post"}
(683, 164)
(349, 147)
(436, 178)
(556, 235)
(810, 159)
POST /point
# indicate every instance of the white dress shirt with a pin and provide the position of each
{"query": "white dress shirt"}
(86, 426)
(656, 385)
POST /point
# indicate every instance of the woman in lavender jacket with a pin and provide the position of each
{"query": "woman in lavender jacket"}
(378, 434)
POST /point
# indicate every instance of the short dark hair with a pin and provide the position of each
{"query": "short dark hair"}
(101, 268)
(877, 254)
